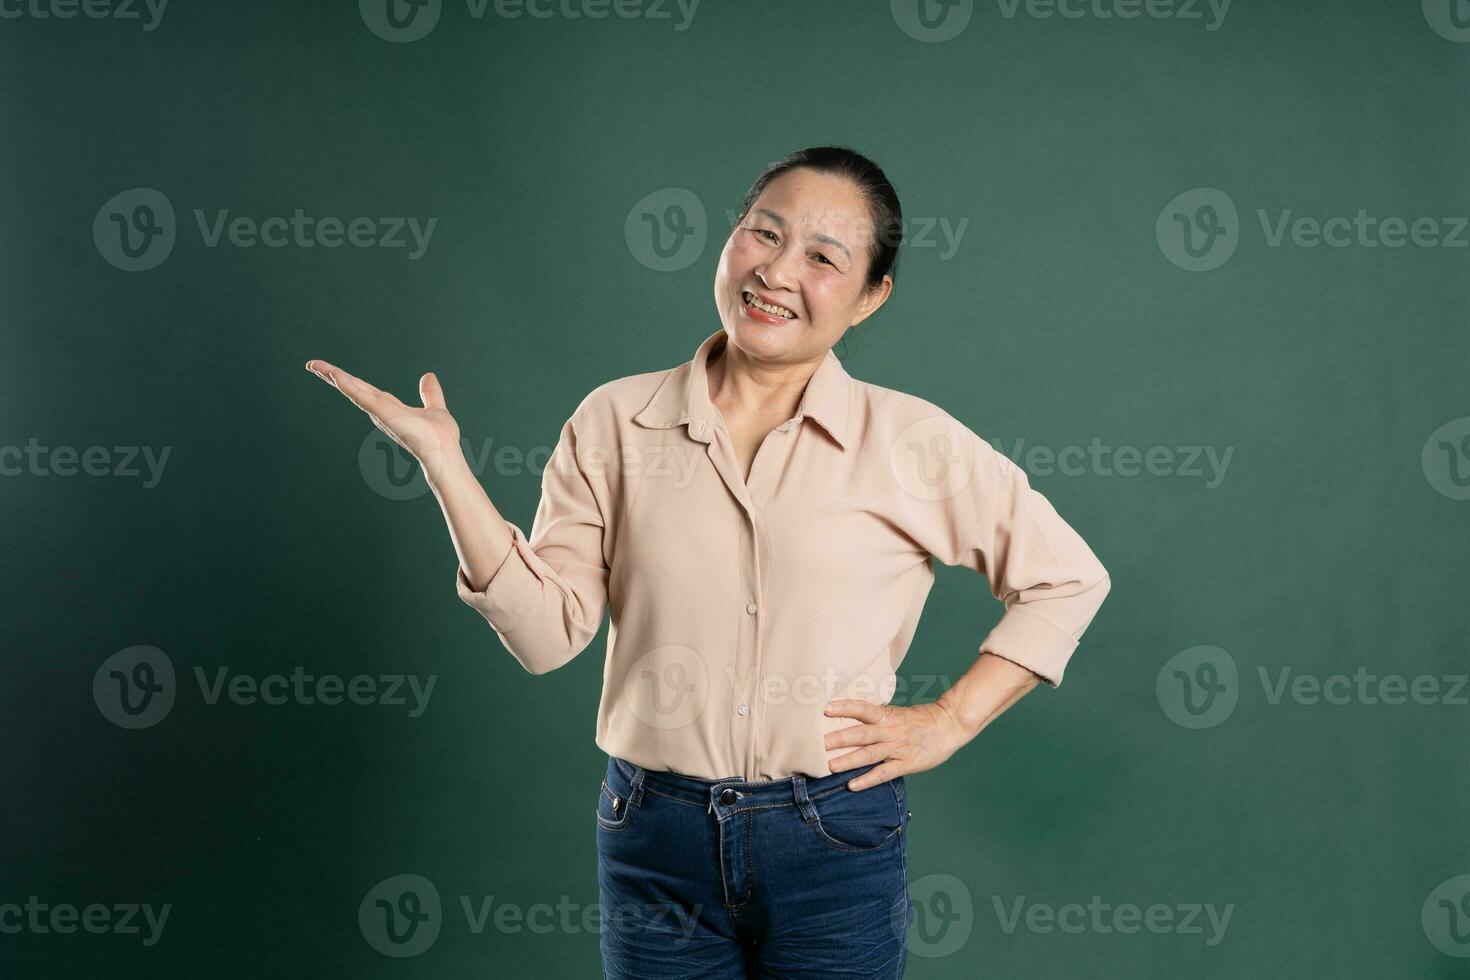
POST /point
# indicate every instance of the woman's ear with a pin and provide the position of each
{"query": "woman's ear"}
(873, 299)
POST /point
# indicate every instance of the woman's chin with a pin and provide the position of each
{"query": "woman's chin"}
(761, 338)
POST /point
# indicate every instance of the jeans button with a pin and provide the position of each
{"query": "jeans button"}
(727, 797)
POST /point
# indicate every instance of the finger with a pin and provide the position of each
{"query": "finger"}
(853, 735)
(429, 391)
(328, 371)
(854, 708)
(366, 397)
(876, 776)
(322, 369)
(866, 755)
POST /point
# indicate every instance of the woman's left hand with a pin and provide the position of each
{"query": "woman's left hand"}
(903, 739)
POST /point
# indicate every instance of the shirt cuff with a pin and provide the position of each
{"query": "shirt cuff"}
(512, 590)
(1029, 639)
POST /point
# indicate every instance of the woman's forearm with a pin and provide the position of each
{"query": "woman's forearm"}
(481, 536)
(985, 690)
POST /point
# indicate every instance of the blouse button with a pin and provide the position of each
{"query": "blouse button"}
(750, 608)
(743, 709)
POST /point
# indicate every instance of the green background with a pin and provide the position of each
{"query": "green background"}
(1059, 320)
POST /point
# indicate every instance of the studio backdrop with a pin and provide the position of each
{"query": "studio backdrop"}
(1198, 267)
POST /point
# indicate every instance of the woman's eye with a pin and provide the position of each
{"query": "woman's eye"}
(770, 235)
(822, 257)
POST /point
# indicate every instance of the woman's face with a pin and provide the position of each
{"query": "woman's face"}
(802, 247)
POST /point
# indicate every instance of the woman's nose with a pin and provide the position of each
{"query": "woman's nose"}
(776, 274)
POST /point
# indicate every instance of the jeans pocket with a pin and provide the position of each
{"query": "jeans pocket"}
(613, 810)
(863, 821)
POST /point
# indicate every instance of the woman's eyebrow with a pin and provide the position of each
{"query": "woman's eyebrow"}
(781, 223)
(834, 242)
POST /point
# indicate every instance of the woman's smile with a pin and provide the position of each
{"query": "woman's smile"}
(765, 311)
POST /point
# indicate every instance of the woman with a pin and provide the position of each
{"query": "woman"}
(762, 525)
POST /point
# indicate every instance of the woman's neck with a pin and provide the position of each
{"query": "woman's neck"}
(742, 388)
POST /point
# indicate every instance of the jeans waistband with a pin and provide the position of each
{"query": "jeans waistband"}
(733, 793)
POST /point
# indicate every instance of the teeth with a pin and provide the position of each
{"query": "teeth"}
(780, 311)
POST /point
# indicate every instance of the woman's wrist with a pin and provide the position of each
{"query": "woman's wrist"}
(990, 686)
(449, 470)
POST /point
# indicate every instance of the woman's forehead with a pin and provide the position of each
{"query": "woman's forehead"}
(802, 184)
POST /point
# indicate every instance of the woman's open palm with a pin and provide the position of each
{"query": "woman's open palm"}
(430, 434)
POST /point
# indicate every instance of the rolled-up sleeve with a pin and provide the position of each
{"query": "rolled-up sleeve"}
(1049, 579)
(546, 600)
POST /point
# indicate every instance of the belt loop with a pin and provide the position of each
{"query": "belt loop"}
(803, 802)
(635, 790)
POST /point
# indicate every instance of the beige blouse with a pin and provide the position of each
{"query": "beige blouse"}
(739, 609)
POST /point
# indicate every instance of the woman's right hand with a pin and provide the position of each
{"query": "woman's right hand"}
(430, 434)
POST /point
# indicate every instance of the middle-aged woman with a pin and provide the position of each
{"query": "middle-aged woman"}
(762, 527)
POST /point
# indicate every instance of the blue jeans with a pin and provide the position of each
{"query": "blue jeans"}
(793, 878)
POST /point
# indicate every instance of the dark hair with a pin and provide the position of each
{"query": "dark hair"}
(872, 183)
